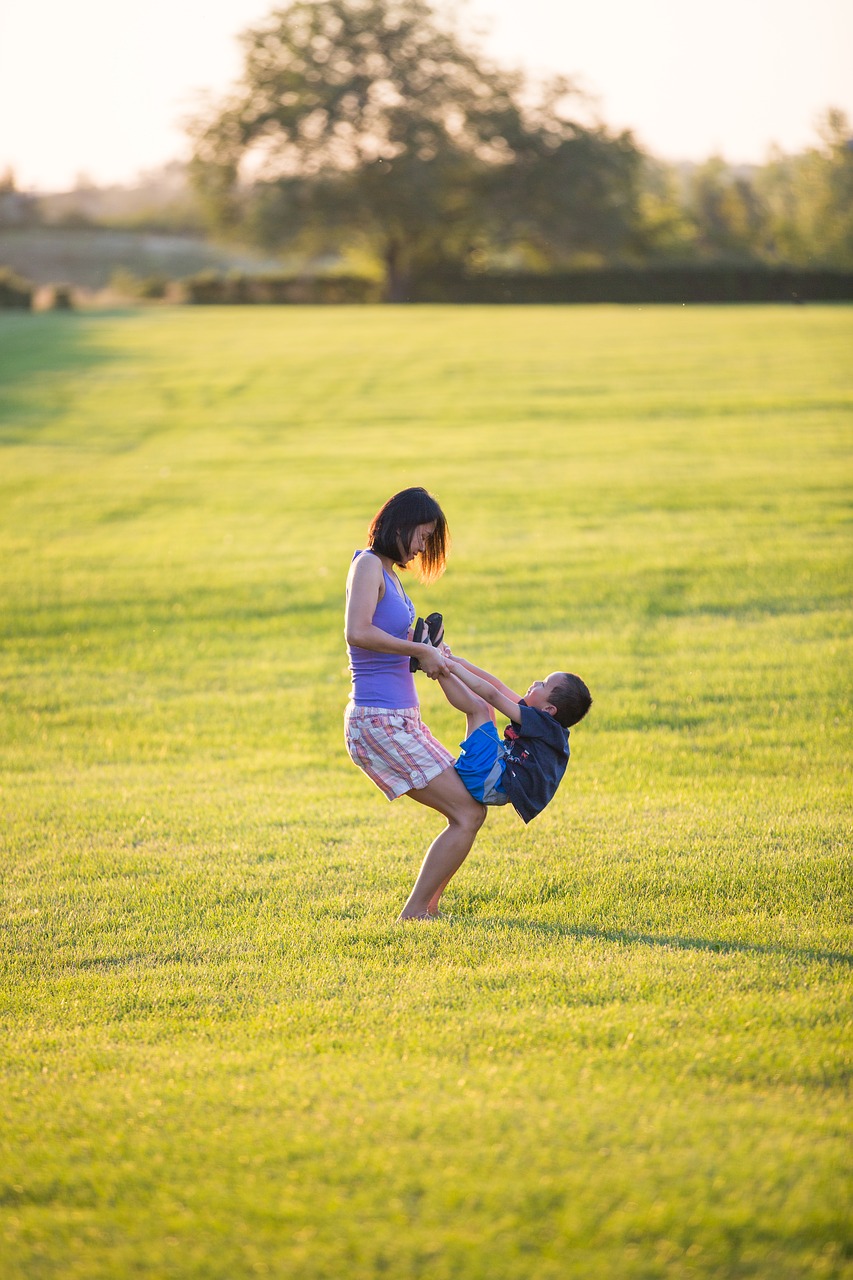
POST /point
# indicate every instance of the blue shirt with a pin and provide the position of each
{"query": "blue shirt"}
(537, 755)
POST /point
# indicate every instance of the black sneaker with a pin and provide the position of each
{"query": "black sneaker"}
(419, 635)
(427, 631)
(435, 627)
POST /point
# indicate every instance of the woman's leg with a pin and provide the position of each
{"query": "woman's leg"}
(448, 851)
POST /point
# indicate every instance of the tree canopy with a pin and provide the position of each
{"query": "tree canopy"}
(795, 210)
(372, 122)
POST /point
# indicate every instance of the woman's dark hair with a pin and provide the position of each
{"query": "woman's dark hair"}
(572, 700)
(393, 527)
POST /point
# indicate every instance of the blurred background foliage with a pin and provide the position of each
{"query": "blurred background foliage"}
(372, 137)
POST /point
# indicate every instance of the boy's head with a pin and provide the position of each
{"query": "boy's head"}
(562, 695)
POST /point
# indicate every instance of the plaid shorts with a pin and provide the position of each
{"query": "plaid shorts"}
(394, 748)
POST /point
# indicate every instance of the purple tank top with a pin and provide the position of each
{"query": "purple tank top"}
(384, 679)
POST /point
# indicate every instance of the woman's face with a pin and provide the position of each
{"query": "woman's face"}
(418, 542)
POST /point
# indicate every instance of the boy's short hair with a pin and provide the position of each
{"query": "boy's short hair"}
(571, 698)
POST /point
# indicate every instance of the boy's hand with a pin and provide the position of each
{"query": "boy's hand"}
(456, 669)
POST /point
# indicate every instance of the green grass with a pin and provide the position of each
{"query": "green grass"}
(626, 1055)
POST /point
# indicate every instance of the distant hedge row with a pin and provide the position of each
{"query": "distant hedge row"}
(210, 289)
(14, 292)
(609, 284)
(642, 285)
(636, 285)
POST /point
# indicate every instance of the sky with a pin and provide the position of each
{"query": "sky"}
(100, 88)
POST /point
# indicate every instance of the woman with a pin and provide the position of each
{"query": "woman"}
(384, 733)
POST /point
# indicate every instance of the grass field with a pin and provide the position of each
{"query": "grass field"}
(626, 1055)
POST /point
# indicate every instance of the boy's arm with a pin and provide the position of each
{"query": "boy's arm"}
(484, 675)
(505, 702)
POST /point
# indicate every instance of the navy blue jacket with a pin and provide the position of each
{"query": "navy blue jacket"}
(537, 756)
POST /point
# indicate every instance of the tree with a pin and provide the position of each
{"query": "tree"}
(726, 211)
(370, 121)
(17, 208)
(809, 199)
(668, 233)
(795, 209)
(570, 193)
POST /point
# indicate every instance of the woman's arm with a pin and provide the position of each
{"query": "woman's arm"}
(484, 675)
(364, 587)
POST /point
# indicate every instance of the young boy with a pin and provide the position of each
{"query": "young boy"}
(525, 768)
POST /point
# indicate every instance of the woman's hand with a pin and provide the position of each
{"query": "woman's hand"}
(432, 661)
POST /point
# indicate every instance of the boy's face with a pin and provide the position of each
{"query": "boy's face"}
(539, 693)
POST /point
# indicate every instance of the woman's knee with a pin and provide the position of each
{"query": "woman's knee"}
(471, 815)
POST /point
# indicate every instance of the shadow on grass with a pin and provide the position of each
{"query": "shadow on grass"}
(33, 344)
(627, 938)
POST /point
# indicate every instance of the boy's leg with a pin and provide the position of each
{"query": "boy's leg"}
(476, 710)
